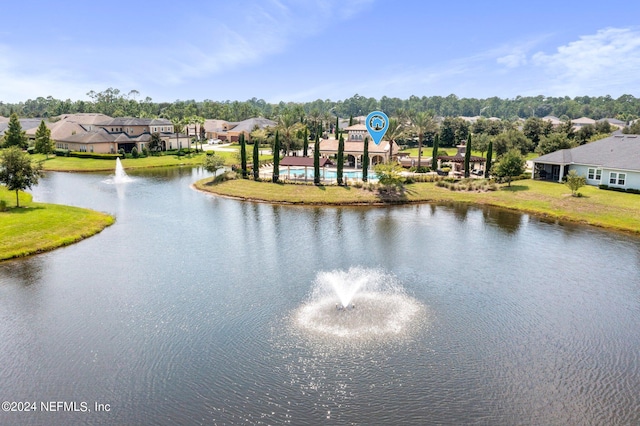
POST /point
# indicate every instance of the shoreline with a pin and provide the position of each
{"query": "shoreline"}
(36, 228)
(627, 224)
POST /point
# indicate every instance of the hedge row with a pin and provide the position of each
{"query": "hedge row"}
(613, 188)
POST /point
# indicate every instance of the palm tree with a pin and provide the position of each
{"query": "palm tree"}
(394, 132)
(288, 126)
(422, 123)
(177, 128)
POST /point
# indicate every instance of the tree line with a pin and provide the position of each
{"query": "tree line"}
(115, 103)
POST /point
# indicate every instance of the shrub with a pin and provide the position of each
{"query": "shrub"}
(31, 150)
(225, 177)
(61, 152)
(94, 155)
(134, 152)
(145, 151)
(3, 206)
(121, 152)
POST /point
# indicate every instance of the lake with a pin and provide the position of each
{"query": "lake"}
(190, 310)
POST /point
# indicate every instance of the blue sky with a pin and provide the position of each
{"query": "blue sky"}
(318, 49)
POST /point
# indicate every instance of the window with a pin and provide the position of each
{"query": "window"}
(594, 174)
(617, 178)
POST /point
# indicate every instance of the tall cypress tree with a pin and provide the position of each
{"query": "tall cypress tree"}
(316, 161)
(467, 156)
(256, 159)
(337, 127)
(340, 159)
(243, 156)
(14, 135)
(434, 153)
(305, 145)
(487, 169)
(351, 120)
(365, 160)
(276, 159)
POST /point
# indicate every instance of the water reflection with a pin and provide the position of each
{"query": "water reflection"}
(182, 310)
(507, 221)
(25, 272)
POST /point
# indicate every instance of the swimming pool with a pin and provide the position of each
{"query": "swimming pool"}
(308, 174)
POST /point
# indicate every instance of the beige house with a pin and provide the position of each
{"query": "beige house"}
(109, 136)
(231, 131)
(134, 127)
(102, 142)
(354, 147)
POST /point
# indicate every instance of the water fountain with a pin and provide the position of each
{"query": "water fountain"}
(120, 175)
(359, 304)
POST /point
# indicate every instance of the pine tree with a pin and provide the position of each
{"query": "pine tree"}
(276, 159)
(44, 144)
(365, 160)
(316, 161)
(14, 135)
(340, 159)
(243, 156)
(487, 169)
(434, 153)
(467, 156)
(256, 159)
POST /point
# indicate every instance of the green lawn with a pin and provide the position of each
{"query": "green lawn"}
(74, 164)
(38, 227)
(597, 207)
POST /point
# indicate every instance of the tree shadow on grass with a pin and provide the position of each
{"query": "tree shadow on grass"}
(515, 188)
(23, 209)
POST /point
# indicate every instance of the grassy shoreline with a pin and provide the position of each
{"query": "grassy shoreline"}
(74, 164)
(39, 227)
(605, 209)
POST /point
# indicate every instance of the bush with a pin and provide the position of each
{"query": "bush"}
(94, 155)
(145, 151)
(134, 152)
(225, 177)
(31, 150)
(3, 206)
(613, 188)
(61, 152)
(121, 152)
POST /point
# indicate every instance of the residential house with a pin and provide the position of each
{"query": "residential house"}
(100, 135)
(230, 131)
(67, 125)
(614, 161)
(582, 121)
(555, 121)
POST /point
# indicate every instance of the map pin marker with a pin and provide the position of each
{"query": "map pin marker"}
(377, 124)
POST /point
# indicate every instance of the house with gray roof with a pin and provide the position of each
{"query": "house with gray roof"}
(613, 161)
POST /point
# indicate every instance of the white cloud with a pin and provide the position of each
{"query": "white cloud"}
(513, 61)
(263, 30)
(605, 62)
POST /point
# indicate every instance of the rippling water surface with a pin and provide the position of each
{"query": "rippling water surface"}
(185, 312)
